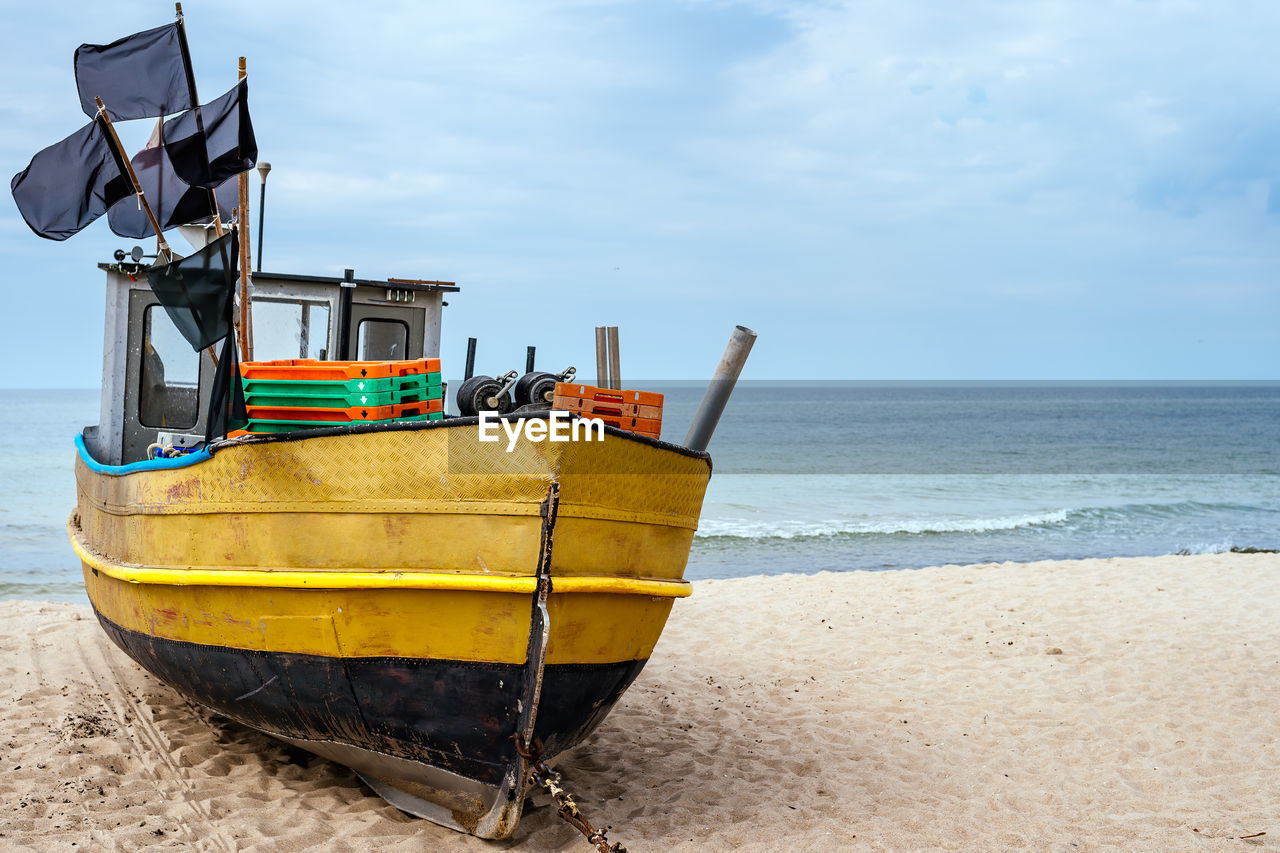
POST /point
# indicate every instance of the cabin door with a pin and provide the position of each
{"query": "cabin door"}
(168, 383)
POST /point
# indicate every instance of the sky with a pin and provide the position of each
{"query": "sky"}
(882, 190)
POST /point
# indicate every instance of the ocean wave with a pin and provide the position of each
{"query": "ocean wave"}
(1206, 548)
(1226, 547)
(789, 529)
(1088, 517)
(44, 591)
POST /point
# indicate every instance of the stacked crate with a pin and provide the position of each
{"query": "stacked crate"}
(634, 411)
(283, 396)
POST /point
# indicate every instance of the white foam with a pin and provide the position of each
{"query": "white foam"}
(1207, 548)
(741, 528)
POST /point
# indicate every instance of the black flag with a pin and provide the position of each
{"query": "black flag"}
(174, 202)
(71, 183)
(143, 75)
(224, 148)
(196, 293)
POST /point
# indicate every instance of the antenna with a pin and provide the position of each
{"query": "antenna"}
(263, 168)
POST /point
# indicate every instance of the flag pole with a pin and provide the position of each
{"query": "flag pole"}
(162, 247)
(246, 307)
(163, 252)
(160, 171)
(195, 105)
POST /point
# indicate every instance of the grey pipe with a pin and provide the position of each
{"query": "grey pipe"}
(263, 169)
(602, 359)
(719, 389)
(615, 359)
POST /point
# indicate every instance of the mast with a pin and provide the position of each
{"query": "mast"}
(195, 105)
(246, 308)
(159, 171)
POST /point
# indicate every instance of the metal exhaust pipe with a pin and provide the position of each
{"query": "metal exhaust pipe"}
(602, 359)
(719, 389)
(471, 359)
(615, 359)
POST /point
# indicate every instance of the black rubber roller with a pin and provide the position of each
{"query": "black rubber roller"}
(465, 394)
(536, 388)
(476, 394)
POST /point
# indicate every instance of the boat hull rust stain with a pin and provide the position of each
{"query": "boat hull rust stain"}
(369, 596)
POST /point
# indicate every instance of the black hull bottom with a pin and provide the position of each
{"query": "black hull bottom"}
(456, 716)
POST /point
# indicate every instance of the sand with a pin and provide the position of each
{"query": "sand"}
(1065, 706)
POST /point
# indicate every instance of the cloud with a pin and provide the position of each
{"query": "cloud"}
(867, 181)
(1112, 98)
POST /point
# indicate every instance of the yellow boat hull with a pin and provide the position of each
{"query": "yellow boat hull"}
(404, 600)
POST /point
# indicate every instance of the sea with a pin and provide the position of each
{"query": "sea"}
(855, 476)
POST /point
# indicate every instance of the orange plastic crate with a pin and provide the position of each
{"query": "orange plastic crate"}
(634, 411)
(302, 369)
(355, 413)
(607, 408)
(606, 395)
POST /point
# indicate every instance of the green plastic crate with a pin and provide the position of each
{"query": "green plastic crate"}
(319, 400)
(429, 384)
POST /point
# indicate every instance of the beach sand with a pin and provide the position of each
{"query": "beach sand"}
(1065, 706)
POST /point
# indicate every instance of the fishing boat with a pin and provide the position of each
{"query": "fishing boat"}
(401, 598)
(442, 613)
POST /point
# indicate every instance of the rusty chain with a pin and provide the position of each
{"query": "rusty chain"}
(545, 777)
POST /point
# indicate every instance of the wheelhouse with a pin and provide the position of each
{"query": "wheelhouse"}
(155, 389)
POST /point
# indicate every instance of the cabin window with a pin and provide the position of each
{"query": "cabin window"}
(289, 328)
(169, 391)
(382, 340)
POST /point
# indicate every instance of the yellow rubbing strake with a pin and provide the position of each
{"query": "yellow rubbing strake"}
(446, 624)
(330, 579)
